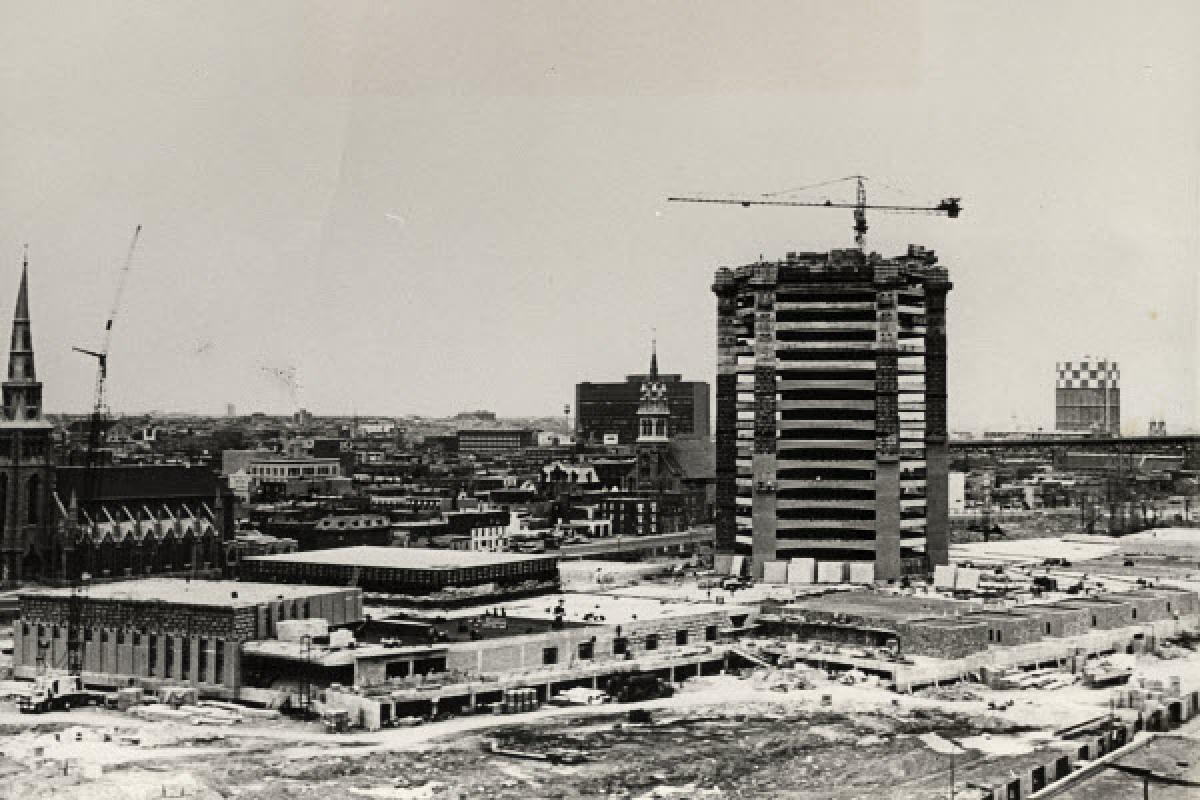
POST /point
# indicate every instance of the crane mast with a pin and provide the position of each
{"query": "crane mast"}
(950, 206)
(77, 573)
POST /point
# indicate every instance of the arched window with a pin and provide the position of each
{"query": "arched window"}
(33, 508)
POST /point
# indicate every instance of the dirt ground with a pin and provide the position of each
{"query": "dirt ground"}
(721, 737)
(765, 752)
(754, 744)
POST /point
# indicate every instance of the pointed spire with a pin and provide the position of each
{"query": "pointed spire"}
(654, 357)
(22, 391)
(22, 312)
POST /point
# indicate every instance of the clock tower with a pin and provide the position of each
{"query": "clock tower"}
(653, 419)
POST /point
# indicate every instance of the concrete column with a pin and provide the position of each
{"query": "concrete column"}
(937, 510)
(89, 650)
(210, 654)
(194, 667)
(232, 665)
(887, 520)
(125, 656)
(57, 655)
(726, 415)
(110, 652)
(141, 656)
(937, 545)
(18, 645)
(177, 658)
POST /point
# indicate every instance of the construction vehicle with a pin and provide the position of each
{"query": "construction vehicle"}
(54, 693)
(633, 687)
(336, 720)
(950, 206)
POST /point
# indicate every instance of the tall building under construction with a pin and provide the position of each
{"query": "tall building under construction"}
(831, 414)
(1087, 396)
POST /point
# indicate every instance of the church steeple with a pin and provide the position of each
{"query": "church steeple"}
(22, 390)
(653, 412)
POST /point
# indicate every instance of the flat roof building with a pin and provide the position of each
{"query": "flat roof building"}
(406, 570)
(610, 409)
(164, 631)
(486, 441)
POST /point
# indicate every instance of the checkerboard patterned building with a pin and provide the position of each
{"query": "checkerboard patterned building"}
(1087, 396)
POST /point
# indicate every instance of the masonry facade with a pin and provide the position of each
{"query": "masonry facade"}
(831, 411)
(610, 409)
(28, 545)
(152, 641)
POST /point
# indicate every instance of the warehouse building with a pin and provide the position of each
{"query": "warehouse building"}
(163, 631)
(410, 571)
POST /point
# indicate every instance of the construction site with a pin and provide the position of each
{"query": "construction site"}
(1009, 674)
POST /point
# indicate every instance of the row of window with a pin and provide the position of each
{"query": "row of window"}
(293, 472)
(620, 645)
(136, 639)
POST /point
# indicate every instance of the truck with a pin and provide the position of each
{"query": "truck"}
(54, 693)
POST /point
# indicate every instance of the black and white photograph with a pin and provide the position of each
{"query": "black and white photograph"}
(600, 400)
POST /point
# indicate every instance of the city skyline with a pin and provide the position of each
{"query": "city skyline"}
(332, 203)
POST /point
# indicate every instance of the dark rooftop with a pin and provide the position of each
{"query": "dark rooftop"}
(147, 481)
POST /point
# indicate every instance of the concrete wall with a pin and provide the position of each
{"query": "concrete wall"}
(527, 652)
(943, 638)
(1179, 601)
(1105, 615)
(1146, 606)
(1005, 629)
(1071, 764)
(1059, 621)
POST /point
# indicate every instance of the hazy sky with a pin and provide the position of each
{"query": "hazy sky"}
(431, 207)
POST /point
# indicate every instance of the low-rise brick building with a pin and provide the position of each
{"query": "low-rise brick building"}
(162, 631)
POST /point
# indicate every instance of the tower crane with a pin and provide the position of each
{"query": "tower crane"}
(77, 574)
(100, 407)
(950, 206)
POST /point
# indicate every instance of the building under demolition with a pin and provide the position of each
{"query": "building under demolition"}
(831, 411)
